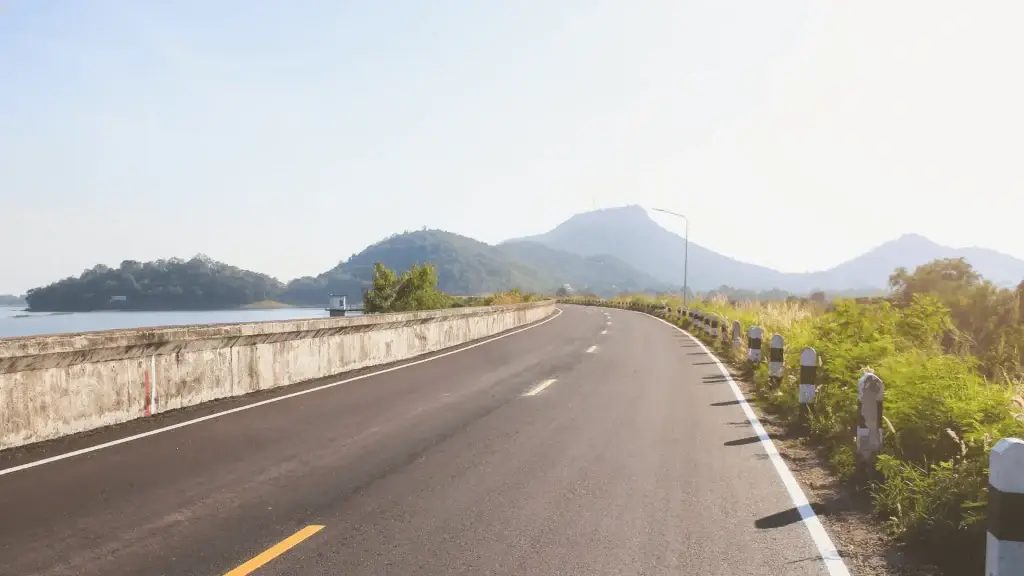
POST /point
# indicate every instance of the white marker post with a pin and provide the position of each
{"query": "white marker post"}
(714, 325)
(754, 336)
(707, 323)
(870, 395)
(725, 331)
(737, 333)
(776, 352)
(808, 379)
(1004, 550)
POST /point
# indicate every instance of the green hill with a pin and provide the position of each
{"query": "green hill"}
(464, 267)
(467, 267)
(200, 283)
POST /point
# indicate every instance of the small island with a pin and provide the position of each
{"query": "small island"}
(200, 283)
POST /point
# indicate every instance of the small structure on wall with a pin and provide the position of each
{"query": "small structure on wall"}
(337, 305)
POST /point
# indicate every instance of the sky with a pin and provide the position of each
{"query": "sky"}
(285, 136)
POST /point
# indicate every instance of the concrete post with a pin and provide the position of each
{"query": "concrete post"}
(707, 322)
(870, 396)
(714, 325)
(1004, 549)
(737, 333)
(725, 331)
(808, 378)
(754, 336)
(776, 350)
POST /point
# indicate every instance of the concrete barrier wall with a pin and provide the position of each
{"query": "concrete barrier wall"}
(52, 386)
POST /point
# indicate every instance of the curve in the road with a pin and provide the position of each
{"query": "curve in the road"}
(529, 455)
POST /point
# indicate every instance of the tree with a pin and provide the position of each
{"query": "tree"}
(172, 284)
(415, 289)
(380, 296)
(986, 321)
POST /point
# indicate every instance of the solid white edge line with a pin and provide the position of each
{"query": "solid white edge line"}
(829, 554)
(540, 387)
(558, 312)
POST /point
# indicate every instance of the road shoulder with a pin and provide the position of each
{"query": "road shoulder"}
(844, 511)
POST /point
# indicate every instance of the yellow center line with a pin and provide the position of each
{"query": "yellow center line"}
(275, 551)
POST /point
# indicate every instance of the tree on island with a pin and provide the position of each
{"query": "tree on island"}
(200, 283)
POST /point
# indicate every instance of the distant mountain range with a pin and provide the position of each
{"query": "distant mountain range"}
(605, 252)
(467, 267)
(630, 235)
(11, 300)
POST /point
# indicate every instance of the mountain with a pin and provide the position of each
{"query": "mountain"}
(466, 267)
(630, 235)
(912, 250)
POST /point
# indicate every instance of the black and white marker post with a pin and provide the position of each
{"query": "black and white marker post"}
(754, 336)
(776, 349)
(714, 325)
(808, 380)
(870, 397)
(1004, 549)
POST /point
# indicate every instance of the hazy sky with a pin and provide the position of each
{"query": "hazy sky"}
(285, 136)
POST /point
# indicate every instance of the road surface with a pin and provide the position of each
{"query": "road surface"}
(599, 442)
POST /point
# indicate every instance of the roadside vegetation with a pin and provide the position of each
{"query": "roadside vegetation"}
(949, 347)
(416, 289)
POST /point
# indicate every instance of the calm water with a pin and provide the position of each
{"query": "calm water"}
(17, 322)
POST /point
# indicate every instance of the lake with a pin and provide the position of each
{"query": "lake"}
(17, 322)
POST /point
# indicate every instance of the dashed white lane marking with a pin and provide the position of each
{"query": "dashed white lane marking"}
(540, 387)
(829, 555)
(603, 332)
(592, 349)
(13, 469)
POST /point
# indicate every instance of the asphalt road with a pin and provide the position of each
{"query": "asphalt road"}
(633, 458)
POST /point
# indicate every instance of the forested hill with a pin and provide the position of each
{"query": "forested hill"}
(469, 267)
(174, 284)
(464, 267)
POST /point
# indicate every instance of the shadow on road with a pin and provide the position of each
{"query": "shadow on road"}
(747, 440)
(730, 403)
(787, 517)
(714, 379)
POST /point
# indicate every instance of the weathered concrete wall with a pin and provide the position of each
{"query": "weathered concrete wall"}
(51, 386)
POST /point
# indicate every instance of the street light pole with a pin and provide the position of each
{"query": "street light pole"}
(686, 246)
